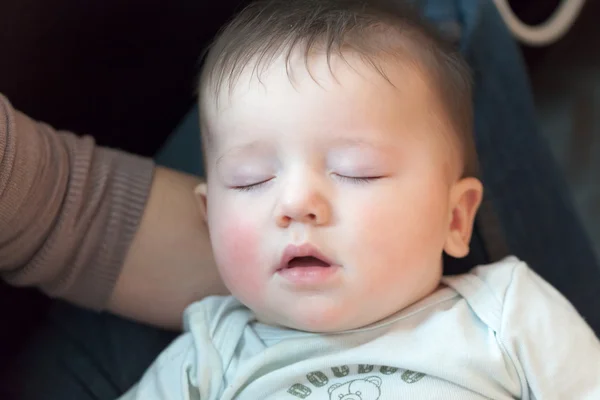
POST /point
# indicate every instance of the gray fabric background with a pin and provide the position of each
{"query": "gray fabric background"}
(566, 83)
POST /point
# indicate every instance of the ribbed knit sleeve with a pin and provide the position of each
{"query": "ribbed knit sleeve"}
(68, 209)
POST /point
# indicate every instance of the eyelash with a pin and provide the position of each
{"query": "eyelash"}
(351, 179)
(359, 180)
(249, 188)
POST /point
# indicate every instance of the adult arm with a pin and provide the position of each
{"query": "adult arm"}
(170, 262)
(98, 227)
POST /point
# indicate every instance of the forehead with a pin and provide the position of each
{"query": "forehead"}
(327, 96)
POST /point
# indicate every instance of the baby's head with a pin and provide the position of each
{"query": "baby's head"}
(340, 160)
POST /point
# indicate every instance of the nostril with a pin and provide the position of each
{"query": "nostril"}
(283, 220)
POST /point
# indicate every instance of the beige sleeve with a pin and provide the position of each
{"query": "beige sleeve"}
(68, 209)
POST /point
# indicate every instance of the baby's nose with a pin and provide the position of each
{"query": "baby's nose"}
(304, 206)
(316, 213)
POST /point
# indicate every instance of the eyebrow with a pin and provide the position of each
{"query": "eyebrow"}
(359, 142)
(335, 142)
(240, 149)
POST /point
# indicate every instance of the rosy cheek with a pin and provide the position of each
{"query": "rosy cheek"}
(238, 258)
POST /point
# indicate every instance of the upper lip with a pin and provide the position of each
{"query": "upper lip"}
(304, 250)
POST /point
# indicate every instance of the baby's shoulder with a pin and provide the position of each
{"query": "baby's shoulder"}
(489, 289)
(493, 279)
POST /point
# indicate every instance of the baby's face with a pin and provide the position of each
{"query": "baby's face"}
(329, 203)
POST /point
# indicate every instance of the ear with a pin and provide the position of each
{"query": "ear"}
(465, 199)
(200, 193)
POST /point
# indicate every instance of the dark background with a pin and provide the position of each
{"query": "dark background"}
(120, 70)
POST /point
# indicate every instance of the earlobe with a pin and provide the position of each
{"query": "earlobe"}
(200, 193)
(465, 199)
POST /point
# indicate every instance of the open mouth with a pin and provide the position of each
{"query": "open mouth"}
(306, 266)
(307, 261)
(305, 257)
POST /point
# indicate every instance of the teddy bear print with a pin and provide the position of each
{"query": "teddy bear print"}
(359, 389)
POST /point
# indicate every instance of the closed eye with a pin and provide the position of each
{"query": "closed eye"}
(358, 179)
(252, 186)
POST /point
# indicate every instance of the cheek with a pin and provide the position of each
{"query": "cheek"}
(236, 246)
(402, 227)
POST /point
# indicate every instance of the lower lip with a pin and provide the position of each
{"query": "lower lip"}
(308, 275)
